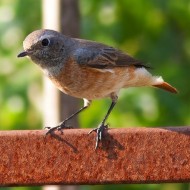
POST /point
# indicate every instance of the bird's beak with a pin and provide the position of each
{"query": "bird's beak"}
(22, 54)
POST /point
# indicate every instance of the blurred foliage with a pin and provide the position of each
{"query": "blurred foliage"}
(156, 32)
(19, 80)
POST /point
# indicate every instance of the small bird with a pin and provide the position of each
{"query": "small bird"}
(87, 69)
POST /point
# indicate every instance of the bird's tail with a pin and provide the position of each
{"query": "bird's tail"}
(164, 85)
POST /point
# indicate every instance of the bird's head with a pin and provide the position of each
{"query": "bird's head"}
(47, 48)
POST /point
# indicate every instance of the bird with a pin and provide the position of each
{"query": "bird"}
(87, 70)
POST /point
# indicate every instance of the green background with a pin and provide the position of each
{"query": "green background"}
(156, 32)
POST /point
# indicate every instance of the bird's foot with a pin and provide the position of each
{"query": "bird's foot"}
(99, 133)
(58, 128)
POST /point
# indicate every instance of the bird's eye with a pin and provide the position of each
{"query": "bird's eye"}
(45, 42)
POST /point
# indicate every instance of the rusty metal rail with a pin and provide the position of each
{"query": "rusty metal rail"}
(135, 155)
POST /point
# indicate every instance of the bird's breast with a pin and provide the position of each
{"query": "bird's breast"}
(90, 83)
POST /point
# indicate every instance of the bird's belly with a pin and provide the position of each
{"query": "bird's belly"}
(90, 83)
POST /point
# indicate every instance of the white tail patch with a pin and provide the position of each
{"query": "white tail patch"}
(157, 80)
(144, 78)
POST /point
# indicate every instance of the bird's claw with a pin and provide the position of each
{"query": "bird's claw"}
(58, 128)
(99, 133)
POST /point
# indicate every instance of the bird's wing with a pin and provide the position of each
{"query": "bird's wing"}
(103, 57)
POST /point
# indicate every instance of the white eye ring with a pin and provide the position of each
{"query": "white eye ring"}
(45, 42)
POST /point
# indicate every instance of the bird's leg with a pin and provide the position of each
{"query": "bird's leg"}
(62, 125)
(100, 129)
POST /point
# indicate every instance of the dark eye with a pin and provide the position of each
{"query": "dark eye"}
(45, 42)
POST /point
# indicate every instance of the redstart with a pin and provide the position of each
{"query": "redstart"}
(87, 69)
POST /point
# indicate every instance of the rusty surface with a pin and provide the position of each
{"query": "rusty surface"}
(135, 155)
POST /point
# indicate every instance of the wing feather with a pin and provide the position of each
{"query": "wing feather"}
(100, 56)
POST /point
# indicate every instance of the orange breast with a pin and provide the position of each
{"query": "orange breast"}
(86, 82)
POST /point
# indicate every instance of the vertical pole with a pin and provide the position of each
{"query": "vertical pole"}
(51, 98)
(70, 25)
